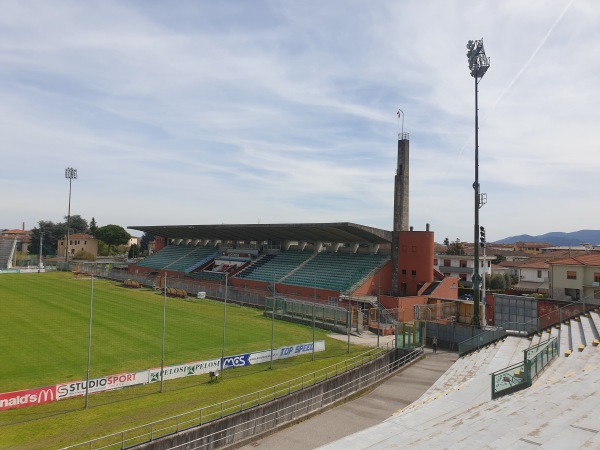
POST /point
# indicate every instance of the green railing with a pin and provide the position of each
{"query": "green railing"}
(480, 340)
(520, 376)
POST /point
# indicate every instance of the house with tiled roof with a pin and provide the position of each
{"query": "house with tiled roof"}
(576, 278)
(532, 275)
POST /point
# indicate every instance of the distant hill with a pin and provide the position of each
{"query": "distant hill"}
(558, 238)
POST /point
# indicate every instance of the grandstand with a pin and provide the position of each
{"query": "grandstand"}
(557, 411)
(7, 250)
(335, 258)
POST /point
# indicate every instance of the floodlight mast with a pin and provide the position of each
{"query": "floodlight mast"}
(70, 174)
(478, 65)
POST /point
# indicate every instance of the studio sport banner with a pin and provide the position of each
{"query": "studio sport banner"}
(184, 370)
(107, 383)
(27, 397)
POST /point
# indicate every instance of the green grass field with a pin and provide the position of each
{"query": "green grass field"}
(44, 320)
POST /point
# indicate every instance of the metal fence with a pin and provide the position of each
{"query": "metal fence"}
(175, 424)
(535, 324)
(482, 339)
(520, 376)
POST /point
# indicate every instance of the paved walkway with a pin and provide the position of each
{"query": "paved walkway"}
(373, 408)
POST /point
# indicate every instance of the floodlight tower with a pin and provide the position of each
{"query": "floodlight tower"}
(478, 65)
(70, 174)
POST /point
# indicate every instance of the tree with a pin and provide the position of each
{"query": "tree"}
(134, 251)
(499, 259)
(93, 227)
(77, 224)
(497, 282)
(455, 248)
(52, 232)
(146, 239)
(447, 242)
(112, 235)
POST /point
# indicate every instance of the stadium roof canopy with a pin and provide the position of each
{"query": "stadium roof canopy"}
(325, 232)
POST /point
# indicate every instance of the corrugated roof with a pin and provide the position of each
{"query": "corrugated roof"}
(325, 232)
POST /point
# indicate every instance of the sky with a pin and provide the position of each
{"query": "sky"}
(252, 111)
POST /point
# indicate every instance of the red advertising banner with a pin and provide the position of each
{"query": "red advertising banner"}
(27, 397)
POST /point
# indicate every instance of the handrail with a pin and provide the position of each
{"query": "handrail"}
(216, 411)
(520, 376)
(479, 340)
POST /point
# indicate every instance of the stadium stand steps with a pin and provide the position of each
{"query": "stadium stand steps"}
(7, 249)
(558, 411)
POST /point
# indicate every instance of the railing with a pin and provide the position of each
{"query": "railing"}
(200, 263)
(480, 340)
(148, 432)
(521, 375)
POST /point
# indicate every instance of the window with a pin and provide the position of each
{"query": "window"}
(332, 301)
(447, 263)
(414, 273)
(403, 271)
(571, 275)
(539, 274)
(596, 277)
(435, 262)
(463, 263)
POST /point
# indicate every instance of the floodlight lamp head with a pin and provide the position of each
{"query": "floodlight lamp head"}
(478, 61)
(70, 173)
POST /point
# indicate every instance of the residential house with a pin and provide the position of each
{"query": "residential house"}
(532, 275)
(576, 278)
(461, 266)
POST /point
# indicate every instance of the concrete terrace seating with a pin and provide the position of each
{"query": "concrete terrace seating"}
(558, 411)
(479, 363)
(335, 271)
(197, 254)
(6, 250)
(274, 267)
(176, 257)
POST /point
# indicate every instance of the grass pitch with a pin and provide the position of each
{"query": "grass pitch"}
(45, 322)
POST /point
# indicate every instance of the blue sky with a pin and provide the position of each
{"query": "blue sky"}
(203, 112)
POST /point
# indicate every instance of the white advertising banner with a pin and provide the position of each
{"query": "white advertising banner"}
(285, 352)
(107, 383)
(184, 370)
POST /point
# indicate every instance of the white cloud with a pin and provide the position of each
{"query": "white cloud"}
(234, 112)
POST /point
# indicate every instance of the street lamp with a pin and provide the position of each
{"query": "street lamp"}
(478, 65)
(70, 174)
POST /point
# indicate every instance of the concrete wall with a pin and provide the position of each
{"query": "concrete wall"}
(249, 425)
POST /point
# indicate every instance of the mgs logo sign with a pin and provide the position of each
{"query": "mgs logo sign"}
(191, 370)
(154, 377)
(237, 361)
